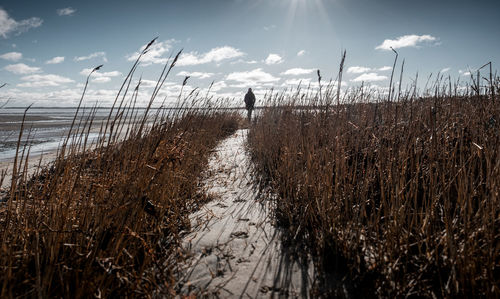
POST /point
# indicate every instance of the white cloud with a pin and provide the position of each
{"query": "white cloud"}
(68, 11)
(55, 60)
(217, 86)
(358, 69)
(148, 83)
(86, 72)
(69, 95)
(100, 77)
(244, 61)
(363, 69)
(446, 69)
(305, 82)
(44, 80)
(464, 73)
(21, 69)
(253, 77)
(255, 86)
(385, 68)
(154, 54)
(273, 59)
(61, 96)
(296, 82)
(8, 25)
(298, 71)
(91, 56)
(406, 41)
(215, 55)
(301, 53)
(200, 75)
(12, 56)
(157, 50)
(369, 77)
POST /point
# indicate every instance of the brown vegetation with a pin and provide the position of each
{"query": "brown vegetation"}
(106, 219)
(403, 196)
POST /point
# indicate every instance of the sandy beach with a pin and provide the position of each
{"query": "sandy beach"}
(235, 248)
(35, 163)
(44, 130)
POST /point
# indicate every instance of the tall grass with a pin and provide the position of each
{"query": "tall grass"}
(106, 218)
(403, 196)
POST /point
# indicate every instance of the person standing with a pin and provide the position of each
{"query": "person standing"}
(249, 103)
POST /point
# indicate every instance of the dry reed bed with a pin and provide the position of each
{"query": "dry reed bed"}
(404, 196)
(105, 219)
(99, 223)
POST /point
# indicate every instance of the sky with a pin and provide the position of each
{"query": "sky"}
(47, 48)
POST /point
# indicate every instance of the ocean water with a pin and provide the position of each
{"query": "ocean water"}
(45, 127)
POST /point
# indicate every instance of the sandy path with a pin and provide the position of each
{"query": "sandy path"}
(235, 250)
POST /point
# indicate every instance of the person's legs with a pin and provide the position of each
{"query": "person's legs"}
(249, 114)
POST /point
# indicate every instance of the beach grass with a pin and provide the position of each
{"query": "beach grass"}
(398, 194)
(106, 218)
(397, 191)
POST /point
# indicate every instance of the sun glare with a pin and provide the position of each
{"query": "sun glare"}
(305, 9)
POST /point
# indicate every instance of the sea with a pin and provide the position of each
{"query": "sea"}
(45, 128)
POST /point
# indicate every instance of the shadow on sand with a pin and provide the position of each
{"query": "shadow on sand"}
(235, 249)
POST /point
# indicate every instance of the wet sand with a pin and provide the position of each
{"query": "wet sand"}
(45, 134)
(234, 248)
(33, 163)
(39, 120)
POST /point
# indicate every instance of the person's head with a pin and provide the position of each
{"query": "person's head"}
(249, 90)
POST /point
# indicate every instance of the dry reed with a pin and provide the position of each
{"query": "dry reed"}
(402, 196)
(106, 218)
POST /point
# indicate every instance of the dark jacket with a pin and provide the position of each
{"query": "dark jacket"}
(249, 100)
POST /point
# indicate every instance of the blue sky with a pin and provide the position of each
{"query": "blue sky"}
(47, 47)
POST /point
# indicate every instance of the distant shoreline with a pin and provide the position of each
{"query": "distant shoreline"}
(140, 108)
(296, 107)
